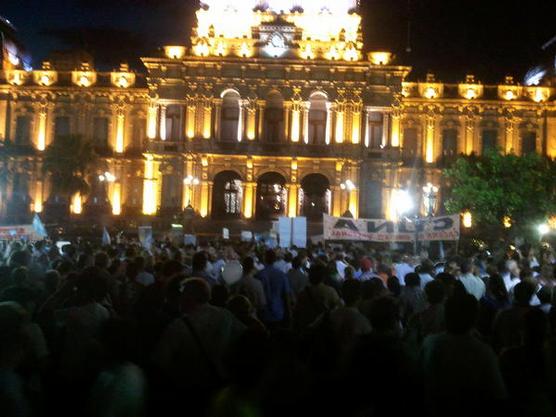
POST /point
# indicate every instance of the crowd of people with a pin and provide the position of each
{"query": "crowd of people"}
(121, 331)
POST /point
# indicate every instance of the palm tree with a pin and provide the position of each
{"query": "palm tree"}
(68, 161)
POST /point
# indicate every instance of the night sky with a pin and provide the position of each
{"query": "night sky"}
(490, 38)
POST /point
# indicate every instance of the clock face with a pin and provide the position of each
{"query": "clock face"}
(276, 45)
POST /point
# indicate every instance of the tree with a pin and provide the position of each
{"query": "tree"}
(495, 186)
(68, 160)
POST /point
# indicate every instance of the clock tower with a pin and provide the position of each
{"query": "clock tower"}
(293, 29)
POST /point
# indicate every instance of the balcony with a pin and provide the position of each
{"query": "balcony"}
(344, 150)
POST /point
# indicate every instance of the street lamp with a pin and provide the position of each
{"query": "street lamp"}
(430, 194)
(402, 203)
(348, 185)
(543, 229)
(190, 181)
(107, 177)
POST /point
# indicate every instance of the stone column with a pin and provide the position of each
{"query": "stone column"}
(162, 122)
(152, 114)
(217, 117)
(260, 107)
(305, 123)
(385, 128)
(328, 134)
(287, 111)
(240, 121)
(395, 131)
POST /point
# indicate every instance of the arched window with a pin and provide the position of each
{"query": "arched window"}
(274, 118)
(229, 119)
(227, 195)
(315, 199)
(317, 119)
(271, 196)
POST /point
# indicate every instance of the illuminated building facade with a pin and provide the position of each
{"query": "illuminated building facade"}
(275, 109)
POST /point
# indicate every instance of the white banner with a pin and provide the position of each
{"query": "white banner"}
(423, 229)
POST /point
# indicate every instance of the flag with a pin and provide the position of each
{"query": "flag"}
(38, 225)
(106, 240)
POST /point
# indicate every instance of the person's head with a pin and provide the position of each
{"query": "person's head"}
(199, 262)
(91, 286)
(64, 267)
(296, 262)
(19, 258)
(523, 292)
(512, 267)
(13, 342)
(461, 311)
(195, 293)
(240, 306)
(248, 265)
(52, 280)
(351, 292)
(467, 266)
(102, 260)
(394, 286)
(384, 314)
(140, 263)
(270, 257)
(448, 280)
(317, 273)
(366, 264)
(20, 276)
(412, 280)
(435, 292)
(496, 288)
(427, 267)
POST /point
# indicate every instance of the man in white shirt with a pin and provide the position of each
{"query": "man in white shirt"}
(425, 273)
(472, 283)
(402, 267)
(511, 274)
(341, 266)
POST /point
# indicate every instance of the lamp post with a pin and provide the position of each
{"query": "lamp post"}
(349, 187)
(430, 194)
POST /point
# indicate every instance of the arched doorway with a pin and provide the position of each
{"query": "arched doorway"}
(227, 195)
(229, 118)
(315, 198)
(274, 118)
(317, 119)
(271, 196)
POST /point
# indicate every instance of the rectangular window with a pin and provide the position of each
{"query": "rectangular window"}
(100, 132)
(409, 150)
(375, 129)
(23, 131)
(173, 123)
(62, 126)
(139, 133)
(528, 143)
(490, 140)
(449, 143)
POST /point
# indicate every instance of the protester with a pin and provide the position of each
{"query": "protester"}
(124, 330)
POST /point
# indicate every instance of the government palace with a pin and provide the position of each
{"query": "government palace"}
(276, 109)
